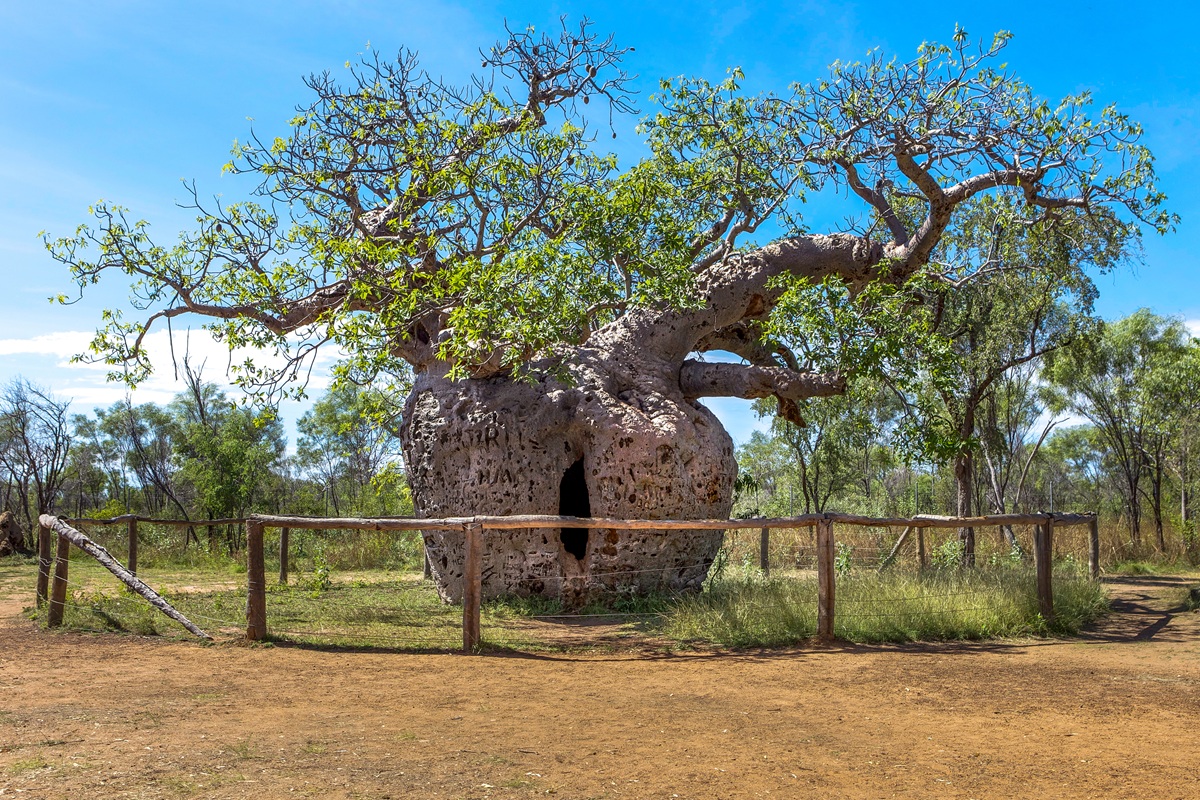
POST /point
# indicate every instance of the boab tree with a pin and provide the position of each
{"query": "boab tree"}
(547, 311)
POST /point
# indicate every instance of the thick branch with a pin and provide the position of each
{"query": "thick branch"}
(736, 288)
(743, 340)
(705, 379)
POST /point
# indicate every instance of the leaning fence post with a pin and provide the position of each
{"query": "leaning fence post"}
(133, 545)
(825, 583)
(256, 583)
(764, 558)
(58, 589)
(1042, 554)
(1094, 549)
(284, 534)
(472, 584)
(891, 556)
(43, 580)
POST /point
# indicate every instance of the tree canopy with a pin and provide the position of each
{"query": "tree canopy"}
(417, 225)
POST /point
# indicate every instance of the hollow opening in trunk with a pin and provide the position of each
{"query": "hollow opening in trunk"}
(573, 501)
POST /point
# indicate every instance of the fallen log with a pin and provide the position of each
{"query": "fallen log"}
(106, 560)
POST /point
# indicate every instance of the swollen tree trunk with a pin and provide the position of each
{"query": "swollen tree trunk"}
(609, 428)
(620, 445)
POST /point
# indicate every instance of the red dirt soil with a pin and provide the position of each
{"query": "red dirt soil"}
(1111, 714)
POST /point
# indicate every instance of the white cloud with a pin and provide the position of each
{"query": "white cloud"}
(63, 344)
(1193, 325)
(46, 360)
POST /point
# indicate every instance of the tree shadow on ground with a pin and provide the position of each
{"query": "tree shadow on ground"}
(1146, 608)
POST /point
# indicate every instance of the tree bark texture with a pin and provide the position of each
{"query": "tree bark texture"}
(500, 447)
(12, 538)
(964, 474)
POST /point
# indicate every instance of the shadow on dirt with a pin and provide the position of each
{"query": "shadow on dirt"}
(1146, 608)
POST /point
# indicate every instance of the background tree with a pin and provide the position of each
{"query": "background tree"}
(224, 451)
(1172, 389)
(344, 440)
(1009, 438)
(836, 450)
(35, 443)
(1029, 295)
(1108, 382)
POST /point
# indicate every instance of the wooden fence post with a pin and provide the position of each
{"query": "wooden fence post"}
(284, 535)
(256, 583)
(1042, 556)
(58, 589)
(472, 584)
(922, 558)
(133, 545)
(825, 581)
(43, 580)
(764, 545)
(1094, 549)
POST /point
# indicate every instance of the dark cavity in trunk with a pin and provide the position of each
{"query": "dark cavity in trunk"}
(573, 502)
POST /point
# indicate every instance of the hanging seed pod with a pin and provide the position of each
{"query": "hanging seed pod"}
(586, 100)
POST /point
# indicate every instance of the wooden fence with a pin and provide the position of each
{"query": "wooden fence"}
(473, 529)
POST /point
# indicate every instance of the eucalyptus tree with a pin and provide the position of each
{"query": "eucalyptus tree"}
(542, 307)
(1030, 294)
(137, 444)
(1009, 440)
(836, 449)
(223, 451)
(347, 442)
(1110, 381)
(1173, 387)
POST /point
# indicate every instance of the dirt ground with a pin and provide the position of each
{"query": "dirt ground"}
(1112, 714)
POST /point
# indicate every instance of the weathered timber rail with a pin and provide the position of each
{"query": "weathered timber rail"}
(473, 529)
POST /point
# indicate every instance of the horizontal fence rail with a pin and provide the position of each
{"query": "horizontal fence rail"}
(474, 529)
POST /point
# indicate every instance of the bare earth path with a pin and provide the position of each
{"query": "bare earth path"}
(1114, 714)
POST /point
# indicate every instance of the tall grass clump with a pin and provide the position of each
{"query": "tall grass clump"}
(745, 610)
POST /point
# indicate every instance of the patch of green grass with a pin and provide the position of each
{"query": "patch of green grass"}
(239, 750)
(28, 765)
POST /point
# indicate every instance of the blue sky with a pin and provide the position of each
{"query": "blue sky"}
(120, 100)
